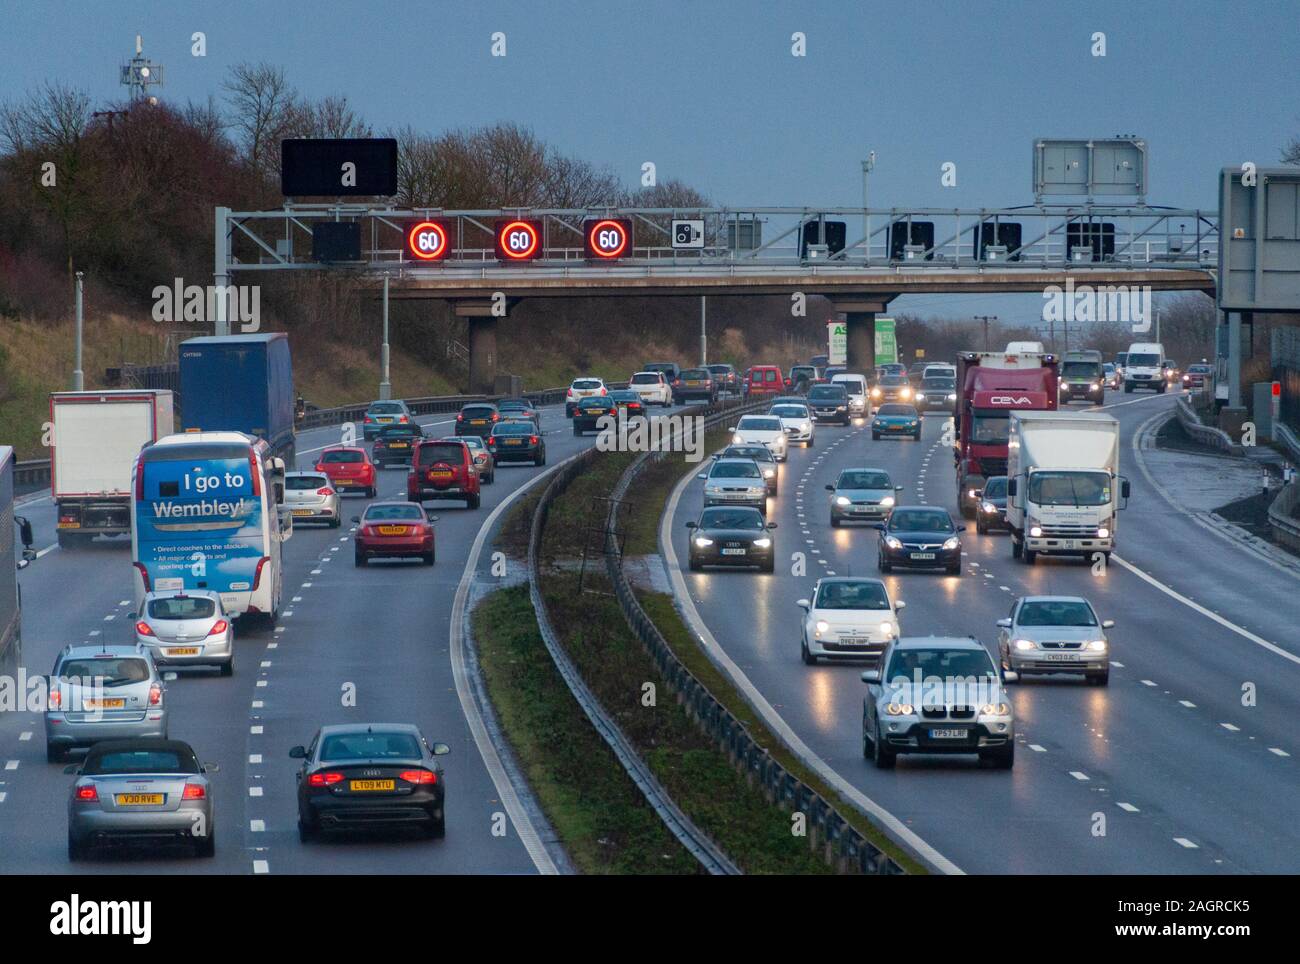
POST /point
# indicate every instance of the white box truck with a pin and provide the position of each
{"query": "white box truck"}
(94, 440)
(1064, 491)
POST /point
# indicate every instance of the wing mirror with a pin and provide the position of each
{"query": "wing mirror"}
(211, 767)
(898, 488)
(1108, 624)
(298, 752)
(899, 604)
(1013, 488)
(24, 531)
(830, 488)
(702, 475)
(690, 525)
(357, 519)
(802, 603)
(879, 526)
(440, 749)
(1004, 622)
(771, 525)
(72, 769)
(870, 676)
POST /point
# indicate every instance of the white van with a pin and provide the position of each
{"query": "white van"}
(856, 386)
(1026, 348)
(1144, 366)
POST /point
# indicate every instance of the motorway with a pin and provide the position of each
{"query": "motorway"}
(382, 630)
(1171, 769)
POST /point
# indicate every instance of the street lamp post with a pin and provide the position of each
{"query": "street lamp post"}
(867, 165)
(78, 376)
(385, 387)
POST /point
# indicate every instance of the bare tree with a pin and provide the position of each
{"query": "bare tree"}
(263, 107)
(1291, 153)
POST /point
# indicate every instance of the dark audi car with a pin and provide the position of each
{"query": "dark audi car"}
(370, 776)
(517, 442)
(991, 509)
(519, 408)
(477, 418)
(394, 444)
(732, 535)
(920, 537)
(587, 413)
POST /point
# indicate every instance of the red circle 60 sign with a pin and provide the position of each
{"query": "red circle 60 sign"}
(607, 238)
(519, 239)
(428, 240)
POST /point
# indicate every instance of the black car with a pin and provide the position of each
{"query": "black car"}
(587, 413)
(760, 454)
(516, 407)
(829, 403)
(725, 377)
(629, 402)
(517, 442)
(731, 535)
(370, 775)
(936, 393)
(991, 507)
(920, 537)
(477, 418)
(394, 444)
(383, 413)
(696, 383)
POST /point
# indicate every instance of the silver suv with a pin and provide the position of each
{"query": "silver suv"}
(936, 694)
(108, 692)
(1055, 634)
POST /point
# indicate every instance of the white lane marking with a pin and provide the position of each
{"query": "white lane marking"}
(258, 704)
(109, 617)
(272, 645)
(255, 729)
(1127, 806)
(306, 585)
(1225, 623)
(261, 867)
(1278, 750)
(3, 796)
(254, 791)
(1116, 665)
(1147, 682)
(1037, 749)
(265, 663)
(1230, 727)
(24, 736)
(1184, 842)
(315, 572)
(296, 599)
(1188, 703)
(257, 826)
(254, 758)
(94, 632)
(11, 764)
(1078, 775)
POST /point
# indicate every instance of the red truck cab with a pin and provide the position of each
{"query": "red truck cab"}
(991, 385)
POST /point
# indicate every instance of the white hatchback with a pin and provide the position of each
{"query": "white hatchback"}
(652, 388)
(764, 430)
(582, 388)
(848, 618)
(797, 421)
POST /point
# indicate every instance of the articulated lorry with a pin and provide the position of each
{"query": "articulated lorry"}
(11, 560)
(94, 440)
(240, 383)
(990, 386)
(1064, 491)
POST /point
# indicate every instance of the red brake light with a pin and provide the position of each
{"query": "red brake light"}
(193, 791)
(419, 776)
(155, 694)
(87, 793)
(496, 416)
(144, 574)
(602, 391)
(369, 419)
(402, 419)
(220, 626)
(257, 576)
(324, 779)
(492, 440)
(532, 440)
(460, 418)
(143, 628)
(56, 699)
(325, 491)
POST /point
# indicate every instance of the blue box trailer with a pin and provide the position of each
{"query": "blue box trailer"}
(239, 383)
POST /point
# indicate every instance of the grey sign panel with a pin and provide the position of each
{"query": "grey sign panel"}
(1096, 167)
(1259, 239)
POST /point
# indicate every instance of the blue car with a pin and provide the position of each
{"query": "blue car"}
(894, 419)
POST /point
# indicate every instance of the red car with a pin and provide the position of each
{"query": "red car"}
(394, 530)
(348, 468)
(443, 469)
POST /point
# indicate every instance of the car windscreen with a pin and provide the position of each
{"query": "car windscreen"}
(115, 670)
(731, 518)
(851, 595)
(1056, 613)
(696, 373)
(442, 452)
(1069, 488)
(753, 424)
(300, 483)
(1080, 369)
(904, 410)
(514, 428)
(790, 411)
(386, 408)
(828, 393)
(939, 663)
(859, 479)
(893, 381)
(720, 369)
(760, 453)
(735, 470)
(1143, 361)
(341, 457)
(645, 378)
(386, 513)
(990, 429)
(937, 383)
(919, 520)
(586, 384)
(478, 411)
(182, 607)
(369, 746)
(1200, 369)
(101, 762)
(855, 385)
(996, 488)
(473, 442)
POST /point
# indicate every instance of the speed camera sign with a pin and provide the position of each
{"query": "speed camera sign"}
(688, 233)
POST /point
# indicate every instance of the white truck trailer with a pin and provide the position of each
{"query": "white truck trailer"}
(1064, 491)
(94, 440)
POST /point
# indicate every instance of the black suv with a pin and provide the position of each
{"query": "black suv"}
(829, 403)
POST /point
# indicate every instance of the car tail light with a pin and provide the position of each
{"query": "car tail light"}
(325, 491)
(220, 626)
(143, 628)
(193, 791)
(496, 416)
(403, 419)
(369, 419)
(257, 575)
(155, 694)
(88, 793)
(320, 466)
(492, 440)
(419, 776)
(56, 699)
(326, 779)
(460, 418)
(144, 574)
(603, 392)
(254, 474)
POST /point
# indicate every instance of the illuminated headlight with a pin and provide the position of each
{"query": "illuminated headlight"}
(920, 396)
(842, 500)
(893, 542)
(1103, 533)
(875, 393)
(736, 439)
(712, 490)
(887, 629)
(988, 507)
(899, 709)
(952, 397)
(905, 393)
(951, 543)
(1023, 645)
(912, 423)
(1187, 378)
(763, 543)
(768, 473)
(703, 542)
(973, 493)
(822, 626)
(1097, 646)
(1096, 385)
(887, 500)
(995, 709)
(1036, 531)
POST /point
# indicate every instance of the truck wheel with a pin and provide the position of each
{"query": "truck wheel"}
(70, 540)
(1128, 388)
(1016, 547)
(1029, 556)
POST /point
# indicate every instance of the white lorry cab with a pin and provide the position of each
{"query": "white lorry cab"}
(1144, 366)
(1064, 491)
(1026, 348)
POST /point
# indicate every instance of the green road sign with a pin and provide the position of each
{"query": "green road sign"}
(886, 342)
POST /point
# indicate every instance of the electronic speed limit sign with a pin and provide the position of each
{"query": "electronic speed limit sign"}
(518, 239)
(428, 240)
(607, 238)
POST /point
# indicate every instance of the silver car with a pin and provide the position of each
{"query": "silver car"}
(862, 495)
(186, 628)
(935, 694)
(141, 791)
(106, 692)
(484, 460)
(1055, 634)
(735, 482)
(310, 497)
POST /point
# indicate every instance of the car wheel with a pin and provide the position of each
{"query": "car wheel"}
(474, 501)
(542, 460)
(437, 829)
(1017, 547)
(1128, 388)
(808, 444)
(883, 757)
(359, 559)
(835, 523)
(306, 834)
(76, 850)
(875, 436)
(981, 529)
(577, 431)
(228, 669)
(884, 565)
(371, 492)
(206, 847)
(693, 564)
(806, 654)
(1099, 679)
(53, 754)
(1002, 759)
(428, 558)
(955, 570)
(769, 566)
(335, 522)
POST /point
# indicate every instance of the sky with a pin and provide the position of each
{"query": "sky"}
(709, 91)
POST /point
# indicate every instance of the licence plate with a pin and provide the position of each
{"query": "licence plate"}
(183, 651)
(357, 786)
(139, 799)
(440, 475)
(1059, 657)
(733, 552)
(514, 441)
(693, 384)
(952, 734)
(392, 530)
(923, 555)
(397, 445)
(385, 420)
(116, 703)
(302, 511)
(1070, 543)
(854, 640)
(478, 421)
(69, 525)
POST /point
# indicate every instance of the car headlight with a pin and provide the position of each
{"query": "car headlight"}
(988, 507)
(822, 625)
(920, 396)
(952, 397)
(973, 493)
(912, 424)
(1103, 533)
(1023, 645)
(905, 393)
(893, 542)
(763, 542)
(1035, 531)
(1097, 645)
(841, 408)
(887, 629)
(736, 439)
(995, 709)
(768, 473)
(842, 500)
(1096, 385)
(951, 543)
(875, 393)
(899, 709)
(887, 500)
(703, 542)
